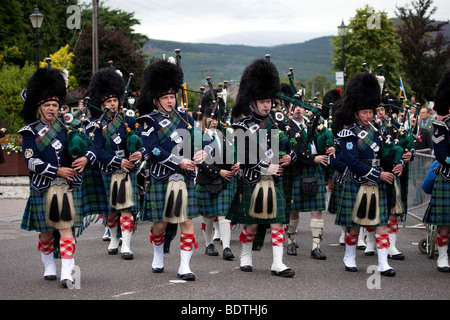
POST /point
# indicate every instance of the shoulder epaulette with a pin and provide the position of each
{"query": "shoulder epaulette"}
(345, 133)
(28, 127)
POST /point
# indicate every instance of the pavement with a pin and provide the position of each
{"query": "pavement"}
(106, 277)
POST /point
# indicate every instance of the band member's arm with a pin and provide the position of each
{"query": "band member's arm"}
(33, 159)
(350, 155)
(440, 143)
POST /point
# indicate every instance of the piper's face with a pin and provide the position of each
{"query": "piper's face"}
(166, 103)
(112, 103)
(263, 107)
(213, 123)
(364, 116)
(298, 112)
(381, 113)
(48, 111)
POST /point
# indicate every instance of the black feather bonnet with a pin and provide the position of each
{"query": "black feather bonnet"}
(259, 81)
(105, 84)
(46, 84)
(442, 95)
(161, 77)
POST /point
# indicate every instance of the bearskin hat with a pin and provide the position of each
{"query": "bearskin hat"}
(362, 92)
(442, 95)
(207, 105)
(161, 77)
(105, 84)
(46, 84)
(389, 100)
(259, 81)
(330, 98)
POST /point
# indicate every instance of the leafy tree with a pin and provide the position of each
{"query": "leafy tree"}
(62, 59)
(13, 79)
(373, 44)
(425, 50)
(113, 45)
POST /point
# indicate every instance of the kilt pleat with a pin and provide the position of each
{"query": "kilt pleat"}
(215, 204)
(95, 201)
(34, 213)
(438, 212)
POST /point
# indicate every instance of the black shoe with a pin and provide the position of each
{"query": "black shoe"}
(291, 249)
(50, 277)
(127, 255)
(398, 256)
(369, 253)
(65, 282)
(158, 270)
(443, 269)
(227, 254)
(350, 269)
(317, 254)
(287, 273)
(246, 268)
(113, 251)
(211, 250)
(388, 273)
(187, 276)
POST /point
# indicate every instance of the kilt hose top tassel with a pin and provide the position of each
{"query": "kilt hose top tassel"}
(60, 207)
(366, 211)
(121, 191)
(263, 202)
(175, 200)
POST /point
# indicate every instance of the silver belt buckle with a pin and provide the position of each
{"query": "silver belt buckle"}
(58, 181)
(375, 162)
(120, 153)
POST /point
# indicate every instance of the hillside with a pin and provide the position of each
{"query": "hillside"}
(226, 62)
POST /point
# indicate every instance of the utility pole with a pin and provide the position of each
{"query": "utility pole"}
(94, 36)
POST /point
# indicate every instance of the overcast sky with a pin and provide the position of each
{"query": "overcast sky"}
(250, 22)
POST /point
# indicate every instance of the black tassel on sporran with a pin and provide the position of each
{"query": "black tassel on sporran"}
(65, 211)
(54, 211)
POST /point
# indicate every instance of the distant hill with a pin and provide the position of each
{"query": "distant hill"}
(227, 62)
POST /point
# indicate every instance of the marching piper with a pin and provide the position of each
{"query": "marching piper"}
(261, 199)
(363, 201)
(166, 135)
(216, 182)
(437, 212)
(54, 206)
(119, 149)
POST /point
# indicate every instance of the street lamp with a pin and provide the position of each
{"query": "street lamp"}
(343, 29)
(36, 19)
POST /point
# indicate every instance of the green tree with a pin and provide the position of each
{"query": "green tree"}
(425, 50)
(371, 43)
(13, 79)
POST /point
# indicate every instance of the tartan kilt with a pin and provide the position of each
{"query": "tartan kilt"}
(34, 213)
(335, 197)
(239, 211)
(95, 201)
(438, 212)
(348, 198)
(209, 205)
(153, 208)
(302, 202)
(287, 187)
(134, 209)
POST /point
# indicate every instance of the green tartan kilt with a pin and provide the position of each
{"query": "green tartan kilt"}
(287, 186)
(134, 209)
(94, 196)
(348, 199)
(153, 209)
(438, 212)
(239, 211)
(209, 205)
(302, 202)
(335, 197)
(34, 213)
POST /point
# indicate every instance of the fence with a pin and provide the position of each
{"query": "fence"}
(417, 199)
